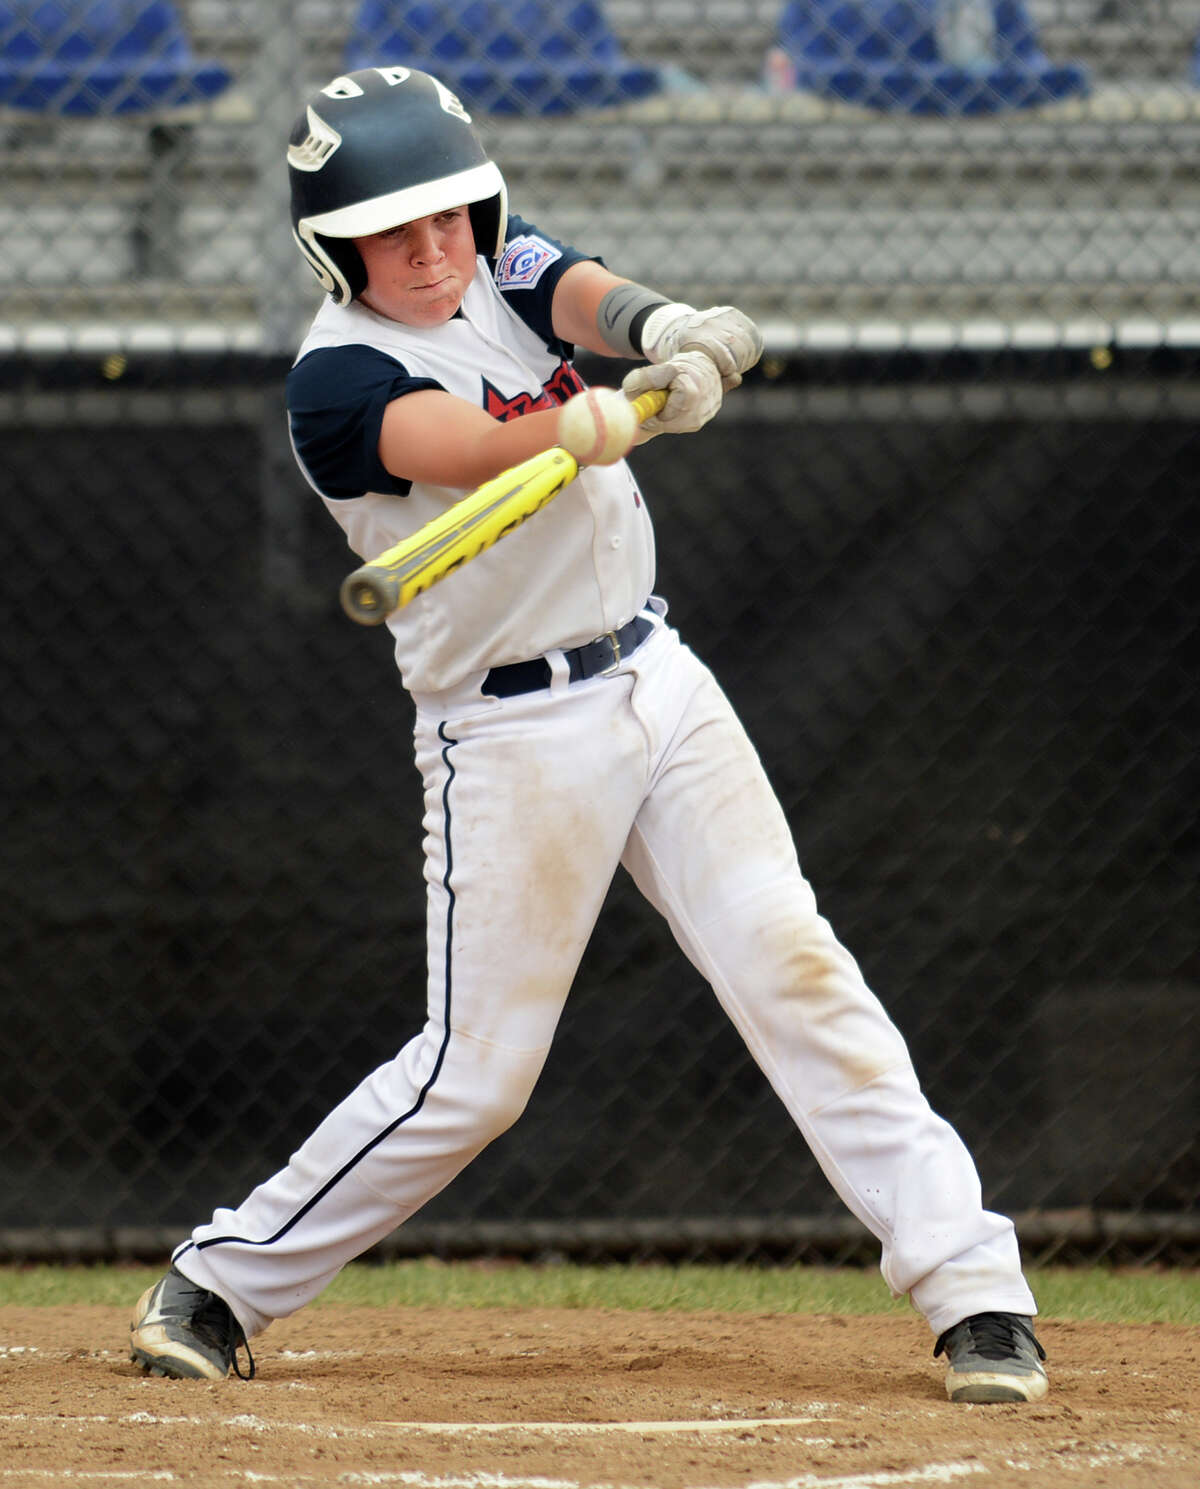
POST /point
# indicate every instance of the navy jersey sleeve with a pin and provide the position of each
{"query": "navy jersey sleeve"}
(527, 274)
(336, 396)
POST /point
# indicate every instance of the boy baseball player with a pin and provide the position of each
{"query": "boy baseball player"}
(562, 729)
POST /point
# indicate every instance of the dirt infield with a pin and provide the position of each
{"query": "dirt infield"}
(566, 1399)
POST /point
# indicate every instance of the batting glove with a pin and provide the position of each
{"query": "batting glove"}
(730, 338)
(694, 393)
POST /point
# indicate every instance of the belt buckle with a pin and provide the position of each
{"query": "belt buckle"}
(612, 638)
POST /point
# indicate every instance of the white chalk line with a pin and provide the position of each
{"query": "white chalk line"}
(1104, 1454)
(568, 1429)
(482, 1480)
(938, 1473)
(932, 1473)
(140, 1475)
(412, 1479)
(253, 1423)
(245, 1420)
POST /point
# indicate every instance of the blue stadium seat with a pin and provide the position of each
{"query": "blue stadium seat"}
(100, 57)
(523, 57)
(925, 56)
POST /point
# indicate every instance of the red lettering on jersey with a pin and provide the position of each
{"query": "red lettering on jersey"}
(564, 384)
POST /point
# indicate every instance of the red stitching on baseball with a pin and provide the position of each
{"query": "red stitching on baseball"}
(595, 408)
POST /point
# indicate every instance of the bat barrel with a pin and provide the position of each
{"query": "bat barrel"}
(369, 595)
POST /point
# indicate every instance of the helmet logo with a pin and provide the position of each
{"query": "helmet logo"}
(346, 87)
(450, 102)
(313, 152)
(342, 87)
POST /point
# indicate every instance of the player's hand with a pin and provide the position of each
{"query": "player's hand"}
(694, 393)
(730, 338)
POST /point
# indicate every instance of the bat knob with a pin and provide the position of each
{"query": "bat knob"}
(365, 598)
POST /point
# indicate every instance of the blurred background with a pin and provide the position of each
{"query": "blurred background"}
(941, 549)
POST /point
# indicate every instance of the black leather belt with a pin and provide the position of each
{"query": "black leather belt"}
(593, 660)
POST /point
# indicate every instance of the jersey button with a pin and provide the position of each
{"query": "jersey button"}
(615, 542)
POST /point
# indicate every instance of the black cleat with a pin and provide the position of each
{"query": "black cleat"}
(993, 1357)
(186, 1332)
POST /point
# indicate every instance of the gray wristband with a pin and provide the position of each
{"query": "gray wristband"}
(621, 314)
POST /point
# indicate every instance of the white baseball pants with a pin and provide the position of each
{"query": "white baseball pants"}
(531, 802)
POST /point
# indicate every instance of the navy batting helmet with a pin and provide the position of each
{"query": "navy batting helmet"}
(377, 148)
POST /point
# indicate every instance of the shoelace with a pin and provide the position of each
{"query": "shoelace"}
(994, 1336)
(214, 1322)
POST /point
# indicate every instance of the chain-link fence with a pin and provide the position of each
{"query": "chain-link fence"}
(1043, 186)
(941, 549)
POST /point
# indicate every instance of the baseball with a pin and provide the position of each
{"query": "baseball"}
(597, 426)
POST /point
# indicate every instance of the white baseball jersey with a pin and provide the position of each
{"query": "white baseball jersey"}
(583, 566)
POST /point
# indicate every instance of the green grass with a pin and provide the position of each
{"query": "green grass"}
(1103, 1294)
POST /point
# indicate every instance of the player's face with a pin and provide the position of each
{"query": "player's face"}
(417, 273)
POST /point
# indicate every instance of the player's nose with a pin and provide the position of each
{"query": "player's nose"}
(425, 245)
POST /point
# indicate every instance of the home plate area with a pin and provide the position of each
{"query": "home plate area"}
(499, 1398)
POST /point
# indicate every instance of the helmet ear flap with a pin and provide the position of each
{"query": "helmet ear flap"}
(336, 262)
(349, 263)
(488, 223)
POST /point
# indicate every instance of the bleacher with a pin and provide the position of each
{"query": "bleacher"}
(724, 41)
(802, 209)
